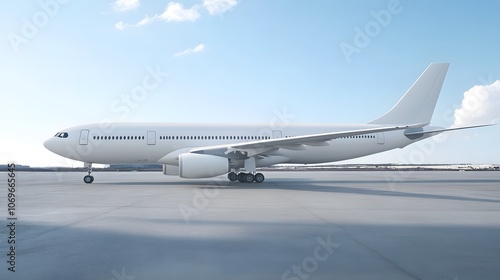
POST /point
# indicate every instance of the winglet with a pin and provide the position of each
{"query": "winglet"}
(418, 103)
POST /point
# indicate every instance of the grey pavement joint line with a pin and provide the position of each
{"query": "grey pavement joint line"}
(350, 234)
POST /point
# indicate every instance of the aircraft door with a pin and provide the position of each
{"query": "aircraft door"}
(277, 134)
(151, 137)
(84, 137)
(380, 138)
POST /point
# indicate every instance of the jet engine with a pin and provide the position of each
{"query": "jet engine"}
(202, 166)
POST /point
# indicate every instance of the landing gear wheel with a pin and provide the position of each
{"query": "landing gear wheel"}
(249, 178)
(232, 176)
(259, 178)
(88, 179)
(241, 177)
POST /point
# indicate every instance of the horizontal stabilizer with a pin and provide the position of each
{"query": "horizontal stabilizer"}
(421, 132)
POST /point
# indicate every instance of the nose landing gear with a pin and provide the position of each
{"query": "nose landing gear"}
(88, 179)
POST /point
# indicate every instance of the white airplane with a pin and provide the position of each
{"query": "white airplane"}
(202, 151)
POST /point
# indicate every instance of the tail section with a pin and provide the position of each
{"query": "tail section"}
(418, 103)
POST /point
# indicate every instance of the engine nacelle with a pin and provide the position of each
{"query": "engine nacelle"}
(202, 166)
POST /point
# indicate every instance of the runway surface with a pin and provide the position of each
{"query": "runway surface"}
(295, 225)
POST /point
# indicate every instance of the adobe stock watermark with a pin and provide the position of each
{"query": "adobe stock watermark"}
(122, 106)
(201, 199)
(279, 121)
(121, 276)
(310, 264)
(420, 155)
(373, 28)
(31, 26)
(426, 149)
(127, 102)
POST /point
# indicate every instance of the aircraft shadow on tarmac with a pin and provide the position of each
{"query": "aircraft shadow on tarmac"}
(360, 191)
(335, 186)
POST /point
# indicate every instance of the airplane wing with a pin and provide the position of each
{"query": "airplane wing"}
(249, 149)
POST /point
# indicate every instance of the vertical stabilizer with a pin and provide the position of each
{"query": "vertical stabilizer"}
(418, 103)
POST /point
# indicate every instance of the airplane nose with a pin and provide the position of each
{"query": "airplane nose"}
(50, 145)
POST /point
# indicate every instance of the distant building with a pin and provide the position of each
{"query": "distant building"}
(4, 167)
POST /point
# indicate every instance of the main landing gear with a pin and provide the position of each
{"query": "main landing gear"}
(246, 177)
(88, 179)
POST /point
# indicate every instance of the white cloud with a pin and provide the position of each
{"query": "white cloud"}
(176, 12)
(120, 25)
(480, 105)
(146, 20)
(125, 5)
(199, 48)
(173, 12)
(215, 7)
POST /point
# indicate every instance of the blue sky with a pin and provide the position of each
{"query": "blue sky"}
(66, 63)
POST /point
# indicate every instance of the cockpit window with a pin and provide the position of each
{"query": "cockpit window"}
(61, 135)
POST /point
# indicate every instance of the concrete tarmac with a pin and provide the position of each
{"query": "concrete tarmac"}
(295, 225)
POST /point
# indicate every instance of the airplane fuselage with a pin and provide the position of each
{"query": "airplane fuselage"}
(130, 143)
